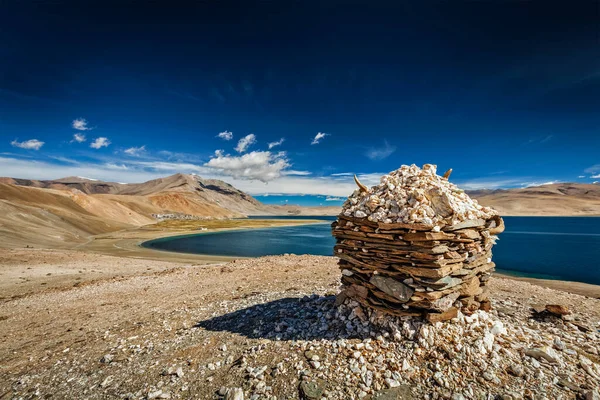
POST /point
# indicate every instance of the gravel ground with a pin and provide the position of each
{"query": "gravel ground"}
(268, 328)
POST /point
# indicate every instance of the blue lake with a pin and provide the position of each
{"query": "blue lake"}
(565, 248)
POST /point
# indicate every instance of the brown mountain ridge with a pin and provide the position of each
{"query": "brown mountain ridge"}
(559, 199)
(70, 210)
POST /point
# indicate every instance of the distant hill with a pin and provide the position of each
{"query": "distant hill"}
(176, 193)
(87, 186)
(71, 209)
(567, 199)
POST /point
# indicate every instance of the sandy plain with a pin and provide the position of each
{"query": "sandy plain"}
(62, 311)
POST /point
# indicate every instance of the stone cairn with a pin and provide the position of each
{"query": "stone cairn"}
(416, 245)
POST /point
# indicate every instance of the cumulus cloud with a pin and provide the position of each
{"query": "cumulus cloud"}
(245, 142)
(79, 138)
(259, 165)
(595, 176)
(136, 151)
(225, 135)
(381, 153)
(277, 143)
(32, 144)
(99, 143)
(219, 153)
(81, 124)
(318, 137)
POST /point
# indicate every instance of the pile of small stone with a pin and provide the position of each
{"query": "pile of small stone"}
(415, 195)
(416, 245)
(509, 353)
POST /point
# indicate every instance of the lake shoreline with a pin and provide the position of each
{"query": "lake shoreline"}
(251, 246)
(128, 245)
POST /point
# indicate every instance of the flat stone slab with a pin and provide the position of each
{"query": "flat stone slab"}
(392, 287)
(397, 393)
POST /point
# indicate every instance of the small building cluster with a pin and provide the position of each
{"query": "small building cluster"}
(416, 245)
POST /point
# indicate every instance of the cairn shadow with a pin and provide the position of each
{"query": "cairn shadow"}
(307, 318)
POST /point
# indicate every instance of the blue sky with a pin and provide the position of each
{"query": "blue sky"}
(505, 93)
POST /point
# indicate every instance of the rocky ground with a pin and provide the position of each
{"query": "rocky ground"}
(269, 328)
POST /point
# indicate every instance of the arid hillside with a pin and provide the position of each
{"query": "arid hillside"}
(66, 211)
(568, 199)
(55, 218)
(562, 199)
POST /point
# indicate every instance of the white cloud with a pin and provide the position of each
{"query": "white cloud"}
(179, 157)
(318, 137)
(539, 139)
(226, 135)
(32, 144)
(245, 142)
(219, 153)
(487, 183)
(165, 167)
(298, 184)
(141, 171)
(136, 151)
(297, 173)
(329, 198)
(260, 165)
(504, 183)
(99, 143)
(535, 184)
(277, 143)
(343, 174)
(29, 169)
(64, 159)
(249, 172)
(381, 153)
(593, 169)
(81, 124)
(595, 176)
(121, 167)
(79, 138)
(581, 176)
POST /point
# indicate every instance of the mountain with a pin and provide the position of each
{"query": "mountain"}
(73, 208)
(85, 185)
(569, 199)
(69, 210)
(53, 217)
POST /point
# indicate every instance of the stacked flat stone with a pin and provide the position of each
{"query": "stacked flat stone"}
(416, 245)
